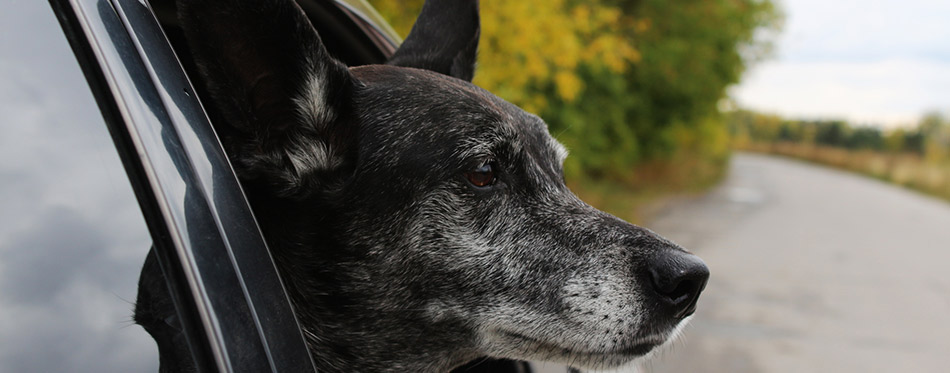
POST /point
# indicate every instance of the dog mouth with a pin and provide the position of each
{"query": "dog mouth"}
(627, 352)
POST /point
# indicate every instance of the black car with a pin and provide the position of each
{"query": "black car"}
(72, 240)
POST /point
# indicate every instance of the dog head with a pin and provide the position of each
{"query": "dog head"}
(417, 220)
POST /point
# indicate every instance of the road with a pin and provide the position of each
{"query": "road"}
(813, 270)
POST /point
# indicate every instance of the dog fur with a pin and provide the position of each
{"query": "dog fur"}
(361, 180)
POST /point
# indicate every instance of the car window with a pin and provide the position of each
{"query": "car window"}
(72, 239)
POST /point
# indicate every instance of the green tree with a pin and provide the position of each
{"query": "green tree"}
(690, 52)
(832, 133)
(935, 130)
(894, 141)
(623, 83)
(866, 138)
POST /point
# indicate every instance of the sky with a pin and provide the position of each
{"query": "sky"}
(878, 62)
(72, 240)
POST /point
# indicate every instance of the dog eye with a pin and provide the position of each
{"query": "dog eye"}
(482, 176)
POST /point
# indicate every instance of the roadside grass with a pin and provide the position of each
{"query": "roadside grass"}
(653, 184)
(618, 199)
(904, 169)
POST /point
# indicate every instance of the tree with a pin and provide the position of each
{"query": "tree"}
(832, 133)
(870, 138)
(935, 130)
(620, 82)
(531, 51)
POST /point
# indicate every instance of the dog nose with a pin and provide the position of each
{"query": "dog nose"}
(678, 277)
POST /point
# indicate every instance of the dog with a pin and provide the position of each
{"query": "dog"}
(417, 221)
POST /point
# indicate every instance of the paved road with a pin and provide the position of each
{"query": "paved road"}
(813, 270)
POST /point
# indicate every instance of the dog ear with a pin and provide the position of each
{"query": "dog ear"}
(280, 93)
(444, 39)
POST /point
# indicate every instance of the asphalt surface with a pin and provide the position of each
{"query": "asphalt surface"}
(813, 270)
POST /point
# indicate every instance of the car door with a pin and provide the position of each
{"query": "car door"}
(229, 299)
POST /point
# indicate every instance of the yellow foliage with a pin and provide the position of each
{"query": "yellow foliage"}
(527, 45)
(568, 85)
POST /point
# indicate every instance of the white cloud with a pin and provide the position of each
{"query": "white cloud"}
(866, 28)
(878, 61)
(887, 92)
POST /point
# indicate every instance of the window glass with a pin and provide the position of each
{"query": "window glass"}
(72, 240)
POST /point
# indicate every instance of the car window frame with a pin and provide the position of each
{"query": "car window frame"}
(231, 303)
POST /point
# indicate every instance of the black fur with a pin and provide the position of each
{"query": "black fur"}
(393, 258)
(455, 54)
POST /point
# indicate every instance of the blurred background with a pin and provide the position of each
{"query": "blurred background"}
(801, 147)
(633, 88)
(654, 96)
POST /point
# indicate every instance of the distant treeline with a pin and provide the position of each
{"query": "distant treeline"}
(630, 86)
(917, 156)
(929, 138)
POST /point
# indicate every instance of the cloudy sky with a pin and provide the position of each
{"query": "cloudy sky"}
(869, 61)
(72, 240)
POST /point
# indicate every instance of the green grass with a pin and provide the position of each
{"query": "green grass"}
(654, 184)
